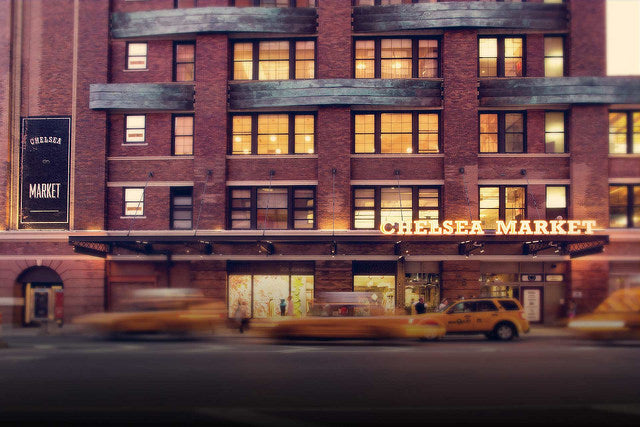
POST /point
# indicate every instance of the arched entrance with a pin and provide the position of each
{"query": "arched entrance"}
(42, 290)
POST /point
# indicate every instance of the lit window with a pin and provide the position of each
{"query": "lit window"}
(396, 133)
(624, 132)
(501, 203)
(136, 56)
(556, 202)
(396, 58)
(502, 133)
(374, 206)
(554, 132)
(624, 206)
(269, 208)
(553, 57)
(184, 62)
(182, 208)
(134, 129)
(274, 60)
(134, 201)
(183, 135)
(500, 57)
(273, 134)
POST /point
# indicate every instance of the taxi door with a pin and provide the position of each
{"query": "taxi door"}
(460, 317)
(486, 316)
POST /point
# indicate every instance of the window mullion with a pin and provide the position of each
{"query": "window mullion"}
(377, 208)
(414, 58)
(415, 133)
(414, 202)
(630, 206)
(501, 203)
(254, 208)
(629, 132)
(290, 208)
(377, 63)
(254, 133)
(500, 57)
(501, 132)
(292, 134)
(256, 59)
(377, 139)
(292, 59)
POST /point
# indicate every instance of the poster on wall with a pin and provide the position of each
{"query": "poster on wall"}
(44, 172)
(532, 304)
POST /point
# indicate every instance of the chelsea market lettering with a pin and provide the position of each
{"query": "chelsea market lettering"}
(48, 190)
(45, 140)
(511, 228)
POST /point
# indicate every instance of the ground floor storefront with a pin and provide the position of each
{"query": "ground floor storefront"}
(53, 282)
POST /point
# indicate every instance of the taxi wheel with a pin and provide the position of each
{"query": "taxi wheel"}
(504, 332)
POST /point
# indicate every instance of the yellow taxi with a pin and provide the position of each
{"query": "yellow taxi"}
(170, 310)
(351, 319)
(616, 318)
(497, 318)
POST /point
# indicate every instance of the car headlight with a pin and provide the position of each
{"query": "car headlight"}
(596, 324)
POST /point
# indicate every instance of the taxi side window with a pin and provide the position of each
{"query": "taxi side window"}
(463, 307)
(486, 306)
(509, 305)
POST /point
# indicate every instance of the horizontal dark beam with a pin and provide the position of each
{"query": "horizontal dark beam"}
(142, 96)
(521, 16)
(406, 92)
(561, 90)
(214, 20)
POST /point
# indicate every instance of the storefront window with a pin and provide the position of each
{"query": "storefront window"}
(383, 287)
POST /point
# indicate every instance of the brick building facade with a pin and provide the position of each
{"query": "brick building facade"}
(257, 152)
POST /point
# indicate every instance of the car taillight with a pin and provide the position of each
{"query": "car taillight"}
(522, 315)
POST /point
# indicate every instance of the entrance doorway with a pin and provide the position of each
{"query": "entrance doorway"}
(42, 290)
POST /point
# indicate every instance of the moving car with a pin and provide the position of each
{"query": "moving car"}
(168, 310)
(352, 319)
(497, 318)
(616, 318)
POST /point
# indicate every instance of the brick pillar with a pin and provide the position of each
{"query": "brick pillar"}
(589, 283)
(210, 277)
(534, 45)
(210, 144)
(334, 124)
(333, 276)
(6, 23)
(587, 38)
(460, 124)
(460, 279)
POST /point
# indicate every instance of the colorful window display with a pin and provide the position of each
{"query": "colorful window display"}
(269, 295)
(383, 287)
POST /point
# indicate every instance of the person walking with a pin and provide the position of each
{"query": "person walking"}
(420, 307)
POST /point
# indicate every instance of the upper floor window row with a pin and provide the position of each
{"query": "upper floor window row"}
(505, 132)
(396, 58)
(273, 134)
(624, 132)
(274, 3)
(396, 133)
(390, 2)
(274, 60)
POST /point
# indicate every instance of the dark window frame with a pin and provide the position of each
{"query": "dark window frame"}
(500, 63)
(377, 204)
(173, 134)
(291, 133)
(127, 56)
(501, 199)
(144, 141)
(176, 63)
(502, 132)
(256, 3)
(629, 114)
(253, 208)
(631, 204)
(377, 135)
(552, 213)
(255, 52)
(415, 59)
(174, 192)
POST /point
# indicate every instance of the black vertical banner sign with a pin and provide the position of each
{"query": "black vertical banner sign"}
(44, 172)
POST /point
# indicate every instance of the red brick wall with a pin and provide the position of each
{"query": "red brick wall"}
(334, 44)
(284, 168)
(210, 277)
(535, 131)
(500, 167)
(163, 170)
(460, 122)
(135, 6)
(591, 279)
(624, 167)
(460, 279)
(587, 38)
(157, 136)
(5, 113)
(534, 55)
(333, 276)
(410, 168)
(156, 210)
(159, 62)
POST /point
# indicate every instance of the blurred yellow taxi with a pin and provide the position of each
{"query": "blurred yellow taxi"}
(352, 320)
(169, 310)
(497, 318)
(616, 318)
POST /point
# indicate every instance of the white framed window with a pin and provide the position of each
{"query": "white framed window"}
(133, 201)
(134, 129)
(136, 56)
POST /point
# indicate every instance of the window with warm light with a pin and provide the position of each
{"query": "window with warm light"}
(500, 57)
(553, 57)
(272, 208)
(556, 202)
(380, 205)
(274, 60)
(136, 56)
(396, 133)
(624, 132)
(183, 135)
(184, 63)
(133, 201)
(624, 206)
(502, 132)
(396, 58)
(501, 203)
(273, 134)
(554, 136)
(134, 128)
